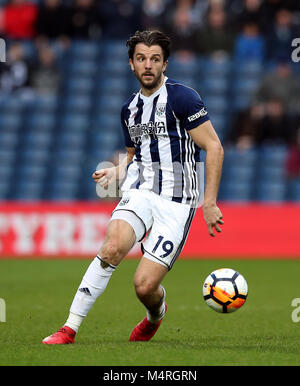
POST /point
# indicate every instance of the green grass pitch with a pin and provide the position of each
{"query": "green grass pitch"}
(38, 294)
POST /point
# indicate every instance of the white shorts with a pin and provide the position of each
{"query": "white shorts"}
(167, 223)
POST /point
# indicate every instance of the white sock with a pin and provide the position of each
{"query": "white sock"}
(93, 284)
(155, 317)
(74, 321)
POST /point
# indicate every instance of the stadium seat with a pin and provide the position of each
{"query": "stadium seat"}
(77, 103)
(34, 156)
(236, 191)
(116, 85)
(216, 68)
(273, 155)
(6, 171)
(37, 139)
(248, 69)
(102, 155)
(107, 139)
(293, 190)
(5, 190)
(11, 104)
(115, 49)
(271, 191)
(219, 121)
(41, 120)
(47, 103)
(234, 156)
(83, 68)
(115, 67)
(69, 172)
(79, 85)
(244, 86)
(271, 173)
(71, 139)
(106, 121)
(86, 49)
(240, 173)
(75, 121)
(63, 191)
(213, 86)
(7, 156)
(111, 104)
(10, 120)
(88, 190)
(69, 155)
(29, 190)
(8, 139)
(216, 104)
(182, 69)
(33, 172)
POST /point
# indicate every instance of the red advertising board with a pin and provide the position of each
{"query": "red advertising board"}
(78, 229)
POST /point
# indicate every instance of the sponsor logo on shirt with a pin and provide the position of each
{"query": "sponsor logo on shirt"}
(200, 113)
(151, 128)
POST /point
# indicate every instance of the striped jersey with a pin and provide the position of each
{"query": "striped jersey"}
(166, 159)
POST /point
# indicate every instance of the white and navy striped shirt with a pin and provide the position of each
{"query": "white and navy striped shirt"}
(166, 158)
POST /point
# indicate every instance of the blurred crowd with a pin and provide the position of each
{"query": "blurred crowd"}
(245, 30)
(256, 29)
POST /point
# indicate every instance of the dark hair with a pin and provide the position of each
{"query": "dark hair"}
(149, 38)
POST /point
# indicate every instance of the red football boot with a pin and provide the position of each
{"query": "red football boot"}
(64, 335)
(145, 330)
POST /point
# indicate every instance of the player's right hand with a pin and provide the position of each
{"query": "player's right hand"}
(104, 176)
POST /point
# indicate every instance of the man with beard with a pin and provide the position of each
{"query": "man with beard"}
(165, 125)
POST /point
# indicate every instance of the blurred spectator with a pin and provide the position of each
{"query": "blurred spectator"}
(45, 77)
(84, 20)
(282, 84)
(246, 126)
(249, 44)
(120, 18)
(293, 159)
(216, 37)
(271, 7)
(199, 11)
(18, 19)
(276, 126)
(261, 124)
(182, 32)
(281, 35)
(14, 74)
(240, 12)
(52, 20)
(154, 13)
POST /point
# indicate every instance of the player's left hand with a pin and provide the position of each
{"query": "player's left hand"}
(213, 218)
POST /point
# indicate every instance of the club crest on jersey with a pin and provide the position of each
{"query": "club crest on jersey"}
(160, 110)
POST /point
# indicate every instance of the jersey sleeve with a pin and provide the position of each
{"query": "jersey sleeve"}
(128, 141)
(190, 109)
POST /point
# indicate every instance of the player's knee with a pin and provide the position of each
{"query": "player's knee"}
(112, 253)
(144, 287)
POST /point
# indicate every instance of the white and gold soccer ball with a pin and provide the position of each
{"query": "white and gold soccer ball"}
(225, 290)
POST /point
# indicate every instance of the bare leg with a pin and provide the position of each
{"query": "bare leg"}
(147, 281)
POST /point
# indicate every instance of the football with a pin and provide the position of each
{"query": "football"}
(225, 290)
